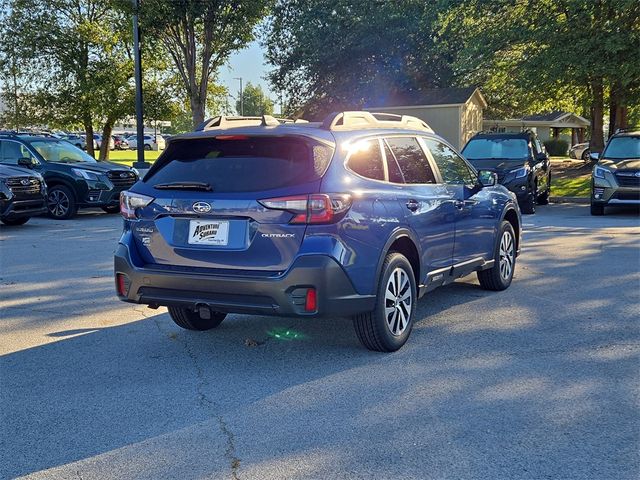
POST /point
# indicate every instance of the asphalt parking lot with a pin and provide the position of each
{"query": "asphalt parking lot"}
(539, 381)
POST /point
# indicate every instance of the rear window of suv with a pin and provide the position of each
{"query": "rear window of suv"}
(237, 163)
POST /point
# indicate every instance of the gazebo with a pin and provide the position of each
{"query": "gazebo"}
(547, 125)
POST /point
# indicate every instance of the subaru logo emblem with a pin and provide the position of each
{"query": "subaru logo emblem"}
(201, 207)
(25, 181)
(124, 175)
(637, 174)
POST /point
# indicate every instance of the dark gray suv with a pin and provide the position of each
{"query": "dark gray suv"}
(615, 179)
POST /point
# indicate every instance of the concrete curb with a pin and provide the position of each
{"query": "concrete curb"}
(584, 200)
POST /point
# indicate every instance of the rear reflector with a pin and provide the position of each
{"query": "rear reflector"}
(311, 301)
(312, 209)
(122, 284)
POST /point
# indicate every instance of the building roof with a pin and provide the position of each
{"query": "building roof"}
(555, 119)
(546, 117)
(428, 97)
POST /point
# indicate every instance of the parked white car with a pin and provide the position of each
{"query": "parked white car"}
(150, 142)
(97, 142)
(580, 151)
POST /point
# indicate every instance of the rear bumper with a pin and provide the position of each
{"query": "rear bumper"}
(283, 295)
(22, 208)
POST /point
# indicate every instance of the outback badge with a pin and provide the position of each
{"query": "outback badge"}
(201, 207)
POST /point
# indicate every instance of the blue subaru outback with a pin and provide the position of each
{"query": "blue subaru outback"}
(359, 216)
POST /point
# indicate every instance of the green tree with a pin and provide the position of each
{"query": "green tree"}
(79, 50)
(550, 54)
(254, 101)
(199, 36)
(338, 54)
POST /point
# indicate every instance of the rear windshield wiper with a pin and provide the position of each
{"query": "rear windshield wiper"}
(183, 186)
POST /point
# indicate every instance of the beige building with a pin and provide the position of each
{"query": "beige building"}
(453, 113)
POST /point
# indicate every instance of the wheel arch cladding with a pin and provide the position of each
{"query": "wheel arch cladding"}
(512, 217)
(57, 182)
(405, 246)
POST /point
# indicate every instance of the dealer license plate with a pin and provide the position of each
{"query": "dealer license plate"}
(208, 232)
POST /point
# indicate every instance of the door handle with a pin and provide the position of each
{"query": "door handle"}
(412, 205)
(460, 204)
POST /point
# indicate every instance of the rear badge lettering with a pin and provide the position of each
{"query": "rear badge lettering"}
(278, 235)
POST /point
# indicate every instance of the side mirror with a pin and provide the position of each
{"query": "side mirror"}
(487, 178)
(594, 156)
(25, 162)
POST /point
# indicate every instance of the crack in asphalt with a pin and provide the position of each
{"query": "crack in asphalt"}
(209, 405)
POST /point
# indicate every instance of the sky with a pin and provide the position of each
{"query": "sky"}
(249, 64)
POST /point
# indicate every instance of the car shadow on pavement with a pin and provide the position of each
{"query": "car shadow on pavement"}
(539, 381)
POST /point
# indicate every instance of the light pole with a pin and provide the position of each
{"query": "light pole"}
(140, 163)
(241, 96)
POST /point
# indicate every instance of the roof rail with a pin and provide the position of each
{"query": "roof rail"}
(357, 119)
(222, 122)
(627, 129)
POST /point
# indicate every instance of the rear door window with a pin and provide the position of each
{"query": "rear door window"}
(412, 161)
(395, 175)
(366, 159)
(242, 163)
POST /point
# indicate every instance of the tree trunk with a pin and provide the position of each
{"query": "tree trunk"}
(618, 111)
(614, 107)
(197, 110)
(597, 114)
(106, 140)
(88, 129)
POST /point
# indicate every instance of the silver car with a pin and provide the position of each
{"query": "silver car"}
(580, 151)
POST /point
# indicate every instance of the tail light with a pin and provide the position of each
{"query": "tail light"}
(312, 209)
(130, 202)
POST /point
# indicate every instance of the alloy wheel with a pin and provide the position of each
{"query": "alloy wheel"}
(58, 203)
(397, 302)
(506, 255)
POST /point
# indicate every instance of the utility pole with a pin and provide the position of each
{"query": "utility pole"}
(241, 96)
(140, 163)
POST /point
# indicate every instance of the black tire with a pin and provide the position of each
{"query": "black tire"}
(112, 209)
(597, 210)
(529, 204)
(61, 203)
(374, 329)
(147, 146)
(15, 221)
(494, 278)
(543, 198)
(191, 320)
(585, 155)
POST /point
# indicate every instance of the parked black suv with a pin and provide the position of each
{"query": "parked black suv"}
(74, 179)
(521, 162)
(22, 195)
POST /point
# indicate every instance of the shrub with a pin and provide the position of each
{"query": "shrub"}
(557, 147)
